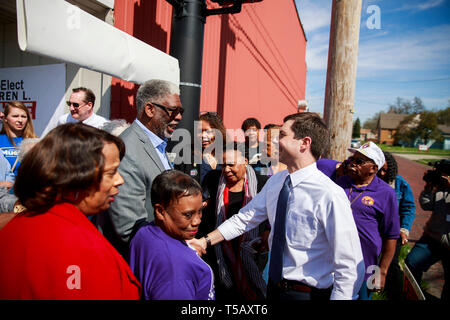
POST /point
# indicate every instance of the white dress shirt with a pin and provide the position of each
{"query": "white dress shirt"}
(322, 243)
(94, 120)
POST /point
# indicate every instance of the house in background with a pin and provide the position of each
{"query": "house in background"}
(387, 126)
(445, 130)
(368, 135)
(445, 144)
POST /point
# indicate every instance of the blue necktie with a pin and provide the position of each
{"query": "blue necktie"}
(279, 234)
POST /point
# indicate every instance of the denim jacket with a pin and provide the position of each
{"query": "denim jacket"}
(405, 201)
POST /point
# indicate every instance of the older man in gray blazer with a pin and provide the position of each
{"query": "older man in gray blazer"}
(158, 113)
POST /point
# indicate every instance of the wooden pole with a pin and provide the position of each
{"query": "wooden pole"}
(341, 75)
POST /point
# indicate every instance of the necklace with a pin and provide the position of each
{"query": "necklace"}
(350, 193)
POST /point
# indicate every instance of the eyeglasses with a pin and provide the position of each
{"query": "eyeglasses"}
(74, 104)
(358, 161)
(171, 112)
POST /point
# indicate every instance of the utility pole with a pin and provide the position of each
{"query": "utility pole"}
(341, 75)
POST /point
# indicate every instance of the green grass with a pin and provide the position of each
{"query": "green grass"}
(426, 161)
(397, 149)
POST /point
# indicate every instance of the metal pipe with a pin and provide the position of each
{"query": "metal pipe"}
(186, 44)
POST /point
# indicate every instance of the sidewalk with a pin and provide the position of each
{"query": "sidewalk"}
(413, 173)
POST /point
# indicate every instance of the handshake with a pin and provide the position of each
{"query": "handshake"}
(200, 245)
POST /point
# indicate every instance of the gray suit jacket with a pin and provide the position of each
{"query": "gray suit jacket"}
(140, 165)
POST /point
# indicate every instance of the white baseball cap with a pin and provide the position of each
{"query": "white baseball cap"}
(371, 151)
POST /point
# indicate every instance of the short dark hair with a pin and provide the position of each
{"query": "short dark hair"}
(309, 124)
(68, 159)
(89, 95)
(249, 122)
(171, 185)
(392, 168)
(270, 125)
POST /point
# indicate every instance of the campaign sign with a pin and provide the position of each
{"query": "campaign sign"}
(40, 88)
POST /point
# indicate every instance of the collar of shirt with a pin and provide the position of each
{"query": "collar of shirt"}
(302, 174)
(89, 120)
(372, 186)
(156, 141)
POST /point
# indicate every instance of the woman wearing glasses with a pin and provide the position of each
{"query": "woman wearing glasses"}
(17, 125)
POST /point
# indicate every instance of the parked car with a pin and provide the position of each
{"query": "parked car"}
(355, 143)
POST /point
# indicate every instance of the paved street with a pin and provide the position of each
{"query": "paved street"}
(413, 173)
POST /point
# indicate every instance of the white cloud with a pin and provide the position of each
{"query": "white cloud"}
(430, 4)
(415, 50)
(419, 50)
(317, 57)
(422, 6)
(314, 14)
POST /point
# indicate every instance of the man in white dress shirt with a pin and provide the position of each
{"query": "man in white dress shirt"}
(321, 255)
(81, 107)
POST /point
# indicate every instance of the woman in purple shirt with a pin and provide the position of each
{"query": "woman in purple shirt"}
(166, 266)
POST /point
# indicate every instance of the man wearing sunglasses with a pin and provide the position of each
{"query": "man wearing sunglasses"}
(81, 107)
(374, 206)
(159, 111)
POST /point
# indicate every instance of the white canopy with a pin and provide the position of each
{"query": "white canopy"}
(62, 31)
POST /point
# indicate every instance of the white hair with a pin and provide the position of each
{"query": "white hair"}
(154, 91)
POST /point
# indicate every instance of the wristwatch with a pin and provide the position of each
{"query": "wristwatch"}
(208, 241)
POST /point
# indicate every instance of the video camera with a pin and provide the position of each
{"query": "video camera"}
(434, 176)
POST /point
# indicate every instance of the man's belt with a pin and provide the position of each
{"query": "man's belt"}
(293, 285)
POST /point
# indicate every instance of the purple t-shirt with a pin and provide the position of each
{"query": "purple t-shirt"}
(376, 215)
(328, 167)
(167, 268)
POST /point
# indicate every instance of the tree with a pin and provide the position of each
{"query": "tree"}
(356, 133)
(417, 105)
(372, 122)
(421, 126)
(443, 116)
(402, 106)
(404, 132)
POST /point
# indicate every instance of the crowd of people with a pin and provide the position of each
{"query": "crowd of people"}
(97, 209)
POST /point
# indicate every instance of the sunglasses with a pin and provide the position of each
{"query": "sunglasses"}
(74, 104)
(171, 112)
(358, 161)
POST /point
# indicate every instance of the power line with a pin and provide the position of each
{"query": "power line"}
(405, 81)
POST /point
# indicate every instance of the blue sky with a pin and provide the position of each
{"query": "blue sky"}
(408, 56)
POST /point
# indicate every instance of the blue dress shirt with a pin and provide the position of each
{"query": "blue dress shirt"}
(159, 144)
